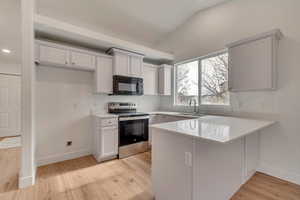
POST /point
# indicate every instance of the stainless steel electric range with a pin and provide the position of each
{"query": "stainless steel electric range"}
(133, 128)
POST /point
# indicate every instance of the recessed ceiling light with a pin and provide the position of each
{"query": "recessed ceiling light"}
(6, 51)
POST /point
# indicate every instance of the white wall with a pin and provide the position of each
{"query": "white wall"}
(212, 29)
(9, 68)
(64, 102)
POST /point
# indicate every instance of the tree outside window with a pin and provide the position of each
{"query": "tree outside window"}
(187, 83)
(214, 80)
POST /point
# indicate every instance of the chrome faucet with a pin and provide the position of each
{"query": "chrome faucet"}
(195, 104)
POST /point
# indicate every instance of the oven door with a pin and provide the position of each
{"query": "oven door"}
(133, 130)
(123, 85)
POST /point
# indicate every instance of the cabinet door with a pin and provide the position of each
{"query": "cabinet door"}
(10, 108)
(121, 64)
(82, 60)
(251, 66)
(150, 80)
(53, 55)
(136, 66)
(109, 141)
(165, 80)
(168, 75)
(103, 75)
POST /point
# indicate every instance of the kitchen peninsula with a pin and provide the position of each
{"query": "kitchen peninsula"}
(206, 158)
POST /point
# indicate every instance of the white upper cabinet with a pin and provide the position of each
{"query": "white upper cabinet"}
(121, 64)
(252, 62)
(82, 60)
(136, 66)
(165, 80)
(127, 63)
(57, 55)
(103, 75)
(53, 55)
(150, 79)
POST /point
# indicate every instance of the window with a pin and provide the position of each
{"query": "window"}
(213, 81)
(187, 83)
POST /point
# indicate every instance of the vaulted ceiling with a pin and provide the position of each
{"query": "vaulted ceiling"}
(143, 21)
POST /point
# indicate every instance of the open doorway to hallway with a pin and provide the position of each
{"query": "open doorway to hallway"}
(10, 94)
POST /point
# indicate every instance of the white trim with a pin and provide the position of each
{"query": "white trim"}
(62, 157)
(279, 173)
(276, 33)
(10, 74)
(28, 165)
(26, 181)
(215, 53)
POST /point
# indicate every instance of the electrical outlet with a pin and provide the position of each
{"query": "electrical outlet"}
(69, 143)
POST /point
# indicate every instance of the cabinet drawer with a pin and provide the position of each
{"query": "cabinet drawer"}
(109, 122)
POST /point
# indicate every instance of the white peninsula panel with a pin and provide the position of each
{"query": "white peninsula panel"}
(206, 158)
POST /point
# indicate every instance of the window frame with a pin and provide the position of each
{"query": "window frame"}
(199, 59)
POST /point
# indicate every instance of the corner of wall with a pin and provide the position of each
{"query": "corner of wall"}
(279, 173)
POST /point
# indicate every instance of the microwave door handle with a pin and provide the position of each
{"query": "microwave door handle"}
(137, 87)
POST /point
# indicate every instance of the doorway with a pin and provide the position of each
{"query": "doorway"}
(10, 94)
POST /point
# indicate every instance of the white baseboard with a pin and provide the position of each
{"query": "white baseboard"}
(27, 181)
(279, 173)
(62, 157)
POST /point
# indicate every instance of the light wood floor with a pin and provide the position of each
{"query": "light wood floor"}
(9, 169)
(127, 179)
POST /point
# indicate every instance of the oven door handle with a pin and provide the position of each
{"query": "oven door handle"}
(132, 118)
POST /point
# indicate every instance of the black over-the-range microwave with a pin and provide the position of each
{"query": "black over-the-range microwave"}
(124, 85)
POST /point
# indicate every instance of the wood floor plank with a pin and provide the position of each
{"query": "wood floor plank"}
(9, 169)
(126, 179)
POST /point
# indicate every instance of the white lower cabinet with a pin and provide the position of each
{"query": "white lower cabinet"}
(172, 168)
(194, 169)
(109, 141)
(106, 138)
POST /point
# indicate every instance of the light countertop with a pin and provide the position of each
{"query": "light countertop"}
(177, 114)
(215, 128)
(105, 115)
